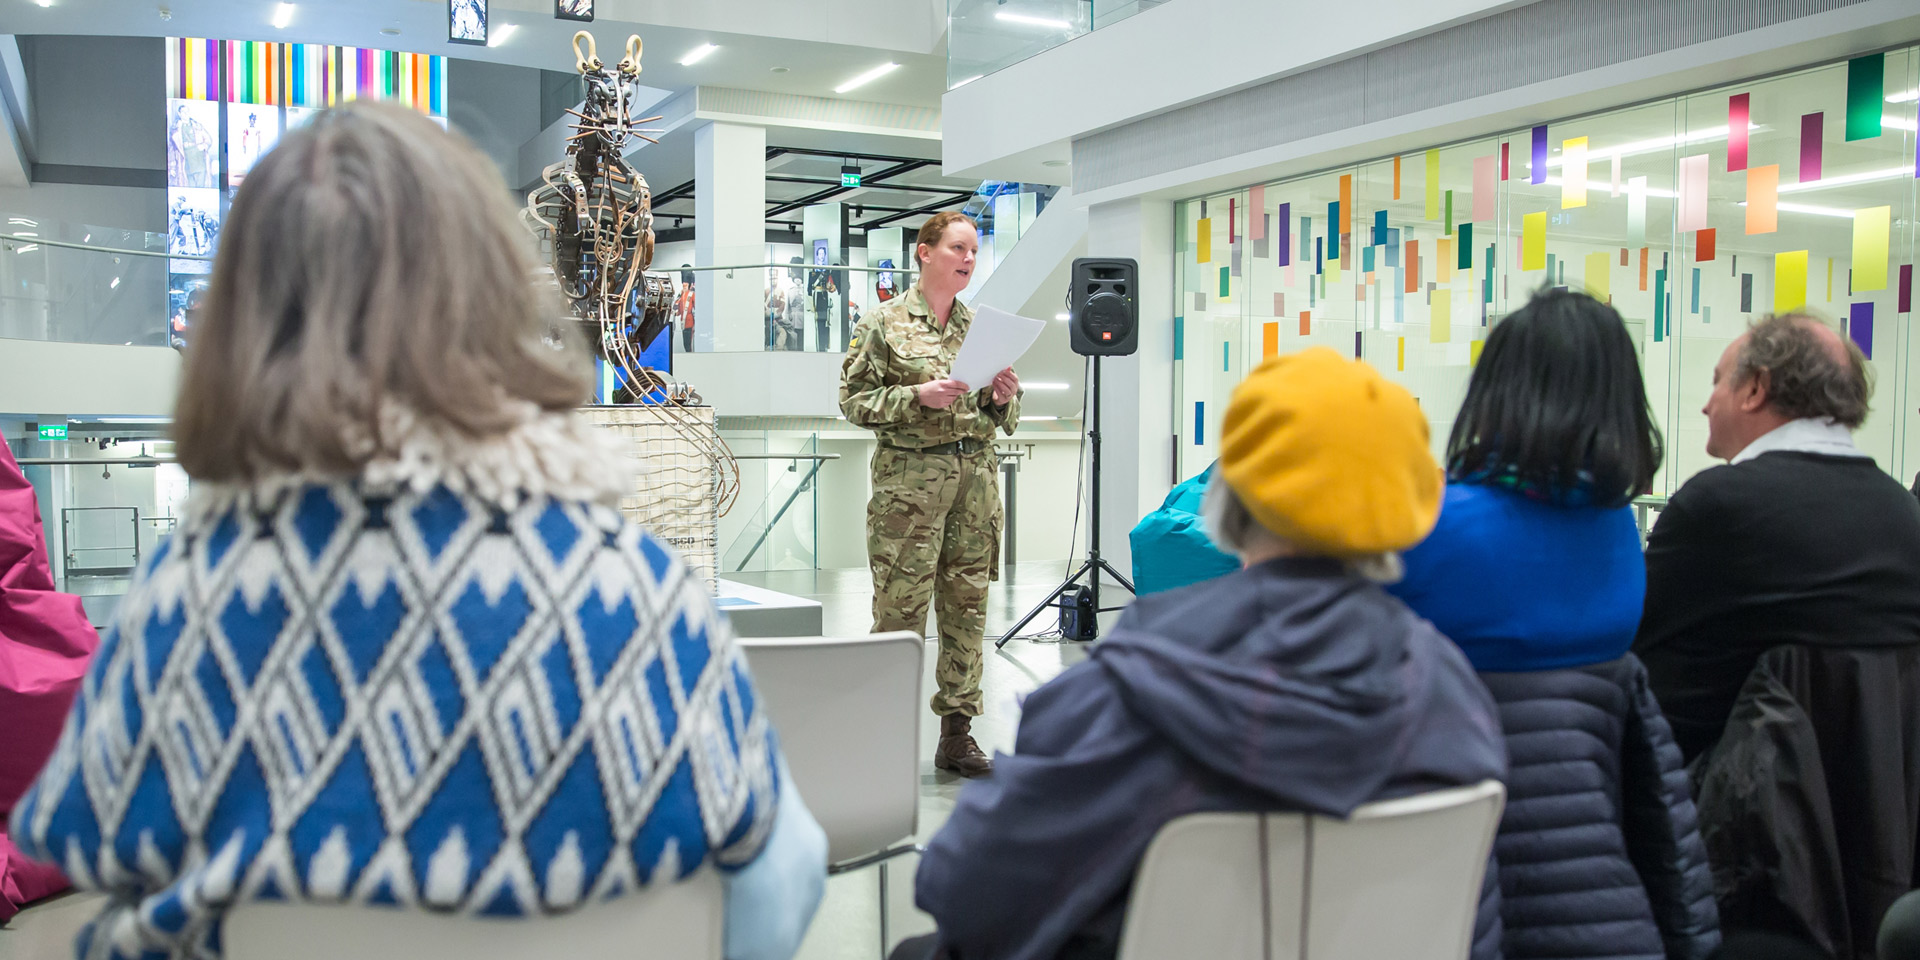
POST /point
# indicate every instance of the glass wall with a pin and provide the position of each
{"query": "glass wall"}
(1692, 216)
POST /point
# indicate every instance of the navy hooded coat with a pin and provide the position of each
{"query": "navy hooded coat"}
(1292, 685)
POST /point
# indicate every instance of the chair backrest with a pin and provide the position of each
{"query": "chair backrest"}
(682, 920)
(1398, 879)
(848, 713)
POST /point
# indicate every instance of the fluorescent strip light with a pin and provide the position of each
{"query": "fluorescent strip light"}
(115, 285)
(29, 248)
(1608, 188)
(23, 221)
(1043, 386)
(1868, 176)
(1638, 147)
(1025, 419)
(1905, 97)
(1032, 21)
(1063, 316)
(698, 54)
(868, 77)
(1899, 123)
(1809, 209)
(282, 16)
(500, 36)
(26, 233)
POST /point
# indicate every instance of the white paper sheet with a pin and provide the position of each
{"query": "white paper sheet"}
(995, 341)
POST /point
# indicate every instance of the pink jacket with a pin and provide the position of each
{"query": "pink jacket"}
(45, 642)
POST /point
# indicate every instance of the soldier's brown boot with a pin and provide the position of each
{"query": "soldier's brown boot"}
(957, 751)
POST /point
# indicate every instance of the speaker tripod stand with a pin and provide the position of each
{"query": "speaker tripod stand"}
(1094, 564)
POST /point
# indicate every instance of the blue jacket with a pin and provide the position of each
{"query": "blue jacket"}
(1599, 849)
(1521, 584)
(1292, 685)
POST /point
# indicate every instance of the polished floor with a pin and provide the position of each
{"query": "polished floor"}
(848, 924)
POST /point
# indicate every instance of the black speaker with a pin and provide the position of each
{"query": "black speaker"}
(1103, 307)
(1077, 615)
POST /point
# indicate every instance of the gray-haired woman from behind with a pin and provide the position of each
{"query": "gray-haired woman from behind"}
(402, 650)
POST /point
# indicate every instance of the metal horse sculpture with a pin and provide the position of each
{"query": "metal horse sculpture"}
(597, 213)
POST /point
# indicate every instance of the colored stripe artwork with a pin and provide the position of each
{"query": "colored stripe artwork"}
(1573, 173)
(1763, 197)
(1533, 241)
(1872, 227)
(1704, 245)
(1257, 207)
(1737, 132)
(1484, 190)
(1906, 288)
(1506, 154)
(1199, 423)
(1203, 240)
(1659, 305)
(1860, 327)
(1599, 277)
(1306, 322)
(1466, 247)
(1866, 85)
(1379, 228)
(1396, 177)
(1283, 225)
(1346, 204)
(1812, 147)
(1440, 328)
(1789, 283)
(1269, 341)
(1538, 168)
(302, 74)
(1692, 208)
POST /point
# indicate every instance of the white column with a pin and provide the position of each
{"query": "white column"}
(730, 227)
(1137, 411)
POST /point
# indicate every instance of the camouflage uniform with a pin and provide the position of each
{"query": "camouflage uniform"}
(933, 525)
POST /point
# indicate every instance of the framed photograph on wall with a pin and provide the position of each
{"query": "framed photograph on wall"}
(467, 22)
(573, 10)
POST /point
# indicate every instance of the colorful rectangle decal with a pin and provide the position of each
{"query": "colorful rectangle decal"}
(1401, 364)
(1346, 203)
(1485, 191)
(1871, 227)
(1396, 177)
(1306, 322)
(1537, 169)
(1199, 423)
(1203, 241)
(1269, 341)
(1506, 152)
(1746, 292)
(1443, 260)
(1573, 173)
(1812, 145)
(1692, 208)
(1379, 228)
(1466, 247)
(1659, 305)
(1737, 132)
(1333, 235)
(1599, 279)
(1866, 87)
(1440, 322)
(1413, 266)
(1704, 244)
(1906, 288)
(1637, 212)
(1860, 327)
(1257, 211)
(1533, 241)
(1433, 184)
(1284, 240)
(1789, 283)
(1763, 197)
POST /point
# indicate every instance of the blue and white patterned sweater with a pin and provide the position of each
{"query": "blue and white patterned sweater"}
(415, 698)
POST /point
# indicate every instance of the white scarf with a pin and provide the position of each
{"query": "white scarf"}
(1805, 435)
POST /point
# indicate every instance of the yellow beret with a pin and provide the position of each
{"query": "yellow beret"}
(1331, 456)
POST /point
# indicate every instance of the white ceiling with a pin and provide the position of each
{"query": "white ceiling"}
(822, 43)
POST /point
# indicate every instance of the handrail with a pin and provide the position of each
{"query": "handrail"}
(837, 267)
(798, 489)
(11, 238)
(786, 456)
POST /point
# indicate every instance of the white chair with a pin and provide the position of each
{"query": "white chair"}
(47, 929)
(683, 921)
(848, 714)
(1399, 879)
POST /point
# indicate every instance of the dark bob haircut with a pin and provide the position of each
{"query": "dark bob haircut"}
(1557, 405)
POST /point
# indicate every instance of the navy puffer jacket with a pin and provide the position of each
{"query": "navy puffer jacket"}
(1599, 849)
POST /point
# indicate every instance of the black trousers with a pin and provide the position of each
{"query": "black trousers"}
(918, 948)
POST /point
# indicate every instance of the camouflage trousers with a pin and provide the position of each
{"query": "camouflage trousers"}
(933, 534)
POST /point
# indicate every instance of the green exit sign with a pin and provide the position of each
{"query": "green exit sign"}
(53, 432)
(849, 179)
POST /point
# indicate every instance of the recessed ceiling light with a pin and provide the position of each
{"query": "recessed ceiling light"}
(282, 16)
(390, 31)
(44, 3)
(500, 36)
(1032, 21)
(1053, 163)
(697, 54)
(866, 78)
(776, 69)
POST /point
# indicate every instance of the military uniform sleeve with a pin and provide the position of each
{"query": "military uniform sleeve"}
(865, 398)
(1007, 417)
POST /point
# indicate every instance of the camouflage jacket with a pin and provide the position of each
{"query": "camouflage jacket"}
(898, 347)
